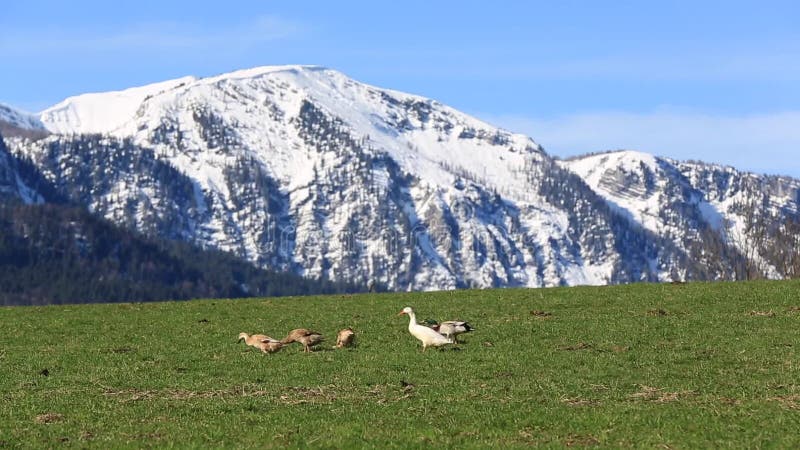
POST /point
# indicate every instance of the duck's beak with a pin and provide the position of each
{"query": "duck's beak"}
(401, 313)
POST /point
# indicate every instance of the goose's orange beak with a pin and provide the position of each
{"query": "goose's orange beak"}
(401, 313)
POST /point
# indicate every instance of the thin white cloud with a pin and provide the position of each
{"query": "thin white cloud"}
(764, 60)
(153, 36)
(765, 143)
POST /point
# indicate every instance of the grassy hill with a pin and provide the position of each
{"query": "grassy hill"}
(659, 366)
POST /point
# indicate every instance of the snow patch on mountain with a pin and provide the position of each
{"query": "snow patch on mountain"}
(628, 180)
(20, 119)
(104, 112)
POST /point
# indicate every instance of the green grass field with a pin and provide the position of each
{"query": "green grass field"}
(657, 366)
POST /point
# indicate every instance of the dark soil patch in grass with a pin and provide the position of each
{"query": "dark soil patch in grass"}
(132, 395)
(730, 401)
(578, 346)
(301, 395)
(577, 401)
(658, 395)
(788, 401)
(577, 440)
(49, 418)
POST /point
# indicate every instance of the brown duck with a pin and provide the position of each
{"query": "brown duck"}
(261, 341)
(345, 338)
(306, 337)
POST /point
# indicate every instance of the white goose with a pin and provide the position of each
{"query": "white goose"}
(428, 336)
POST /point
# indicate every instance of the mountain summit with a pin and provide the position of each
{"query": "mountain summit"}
(303, 169)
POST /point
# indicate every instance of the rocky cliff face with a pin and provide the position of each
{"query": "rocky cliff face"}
(716, 214)
(18, 180)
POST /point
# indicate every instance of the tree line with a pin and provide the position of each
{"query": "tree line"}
(53, 254)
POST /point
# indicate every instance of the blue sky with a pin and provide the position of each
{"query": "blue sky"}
(713, 80)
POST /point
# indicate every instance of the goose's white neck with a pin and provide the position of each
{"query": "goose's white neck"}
(412, 319)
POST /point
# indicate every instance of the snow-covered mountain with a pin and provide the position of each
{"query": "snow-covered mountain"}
(695, 204)
(19, 119)
(18, 123)
(304, 169)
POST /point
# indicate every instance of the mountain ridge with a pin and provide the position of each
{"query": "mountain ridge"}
(301, 168)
